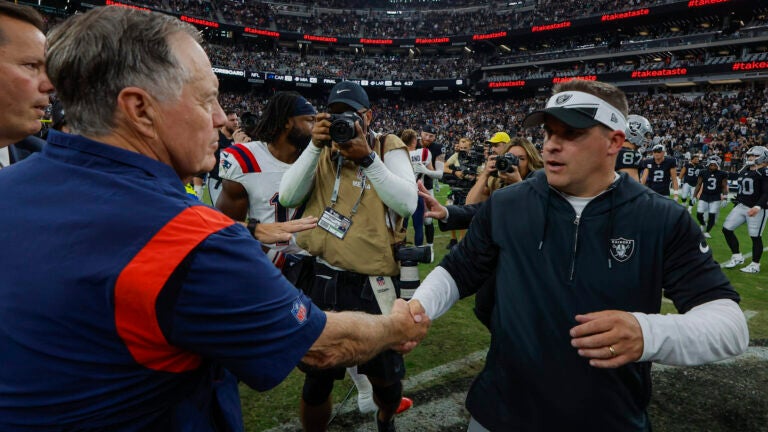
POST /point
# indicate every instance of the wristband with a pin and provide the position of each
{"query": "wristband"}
(252, 226)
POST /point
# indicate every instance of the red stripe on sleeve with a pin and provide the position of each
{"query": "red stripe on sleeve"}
(249, 155)
(141, 281)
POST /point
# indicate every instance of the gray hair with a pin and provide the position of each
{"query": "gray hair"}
(93, 56)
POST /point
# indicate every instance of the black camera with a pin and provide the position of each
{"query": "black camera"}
(409, 258)
(248, 122)
(342, 127)
(507, 162)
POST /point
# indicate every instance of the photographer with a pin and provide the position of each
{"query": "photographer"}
(518, 160)
(360, 185)
(452, 173)
(460, 171)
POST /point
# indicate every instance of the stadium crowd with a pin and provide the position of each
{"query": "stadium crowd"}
(712, 122)
(345, 18)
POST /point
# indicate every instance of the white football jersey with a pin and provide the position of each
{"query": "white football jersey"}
(421, 156)
(253, 166)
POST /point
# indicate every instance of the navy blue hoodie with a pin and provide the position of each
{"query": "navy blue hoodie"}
(629, 247)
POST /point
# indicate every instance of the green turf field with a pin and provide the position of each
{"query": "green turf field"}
(458, 333)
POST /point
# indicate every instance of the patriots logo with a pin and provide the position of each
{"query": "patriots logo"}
(634, 126)
(622, 249)
(563, 98)
(226, 164)
(299, 311)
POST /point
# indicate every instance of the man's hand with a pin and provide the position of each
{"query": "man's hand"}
(320, 131)
(419, 168)
(753, 211)
(414, 320)
(269, 233)
(240, 137)
(433, 208)
(608, 338)
(356, 148)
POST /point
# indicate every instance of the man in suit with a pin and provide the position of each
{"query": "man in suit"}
(25, 86)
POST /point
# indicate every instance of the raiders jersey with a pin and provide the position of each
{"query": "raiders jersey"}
(253, 166)
(658, 174)
(628, 158)
(692, 172)
(712, 184)
(753, 188)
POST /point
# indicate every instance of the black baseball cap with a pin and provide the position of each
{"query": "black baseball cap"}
(428, 128)
(349, 93)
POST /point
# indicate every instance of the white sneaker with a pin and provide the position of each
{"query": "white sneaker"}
(707, 235)
(735, 260)
(753, 267)
(365, 402)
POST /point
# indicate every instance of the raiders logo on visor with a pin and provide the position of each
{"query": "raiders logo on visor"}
(634, 126)
(563, 98)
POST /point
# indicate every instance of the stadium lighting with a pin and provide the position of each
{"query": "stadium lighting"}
(725, 81)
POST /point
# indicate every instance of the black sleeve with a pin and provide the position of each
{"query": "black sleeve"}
(762, 201)
(691, 275)
(474, 259)
(459, 217)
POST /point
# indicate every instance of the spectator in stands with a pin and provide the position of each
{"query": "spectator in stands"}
(158, 299)
(24, 87)
(579, 309)
(360, 189)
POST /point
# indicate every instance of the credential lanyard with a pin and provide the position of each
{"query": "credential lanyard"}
(337, 185)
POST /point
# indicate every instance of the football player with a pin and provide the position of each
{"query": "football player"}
(660, 171)
(251, 173)
(638, 133)
(689, 175)
(751, 202)
(711, 192)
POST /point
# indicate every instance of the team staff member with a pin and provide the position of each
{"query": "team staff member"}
(638, 132)
(360, 190)
(156, 296)
(24, 87)
(660, 170)
(712, 193)
(581, 272)
(751, 202)
(689, 176)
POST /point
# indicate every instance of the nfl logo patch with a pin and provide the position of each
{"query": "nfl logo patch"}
(380, 281)
(299, 311)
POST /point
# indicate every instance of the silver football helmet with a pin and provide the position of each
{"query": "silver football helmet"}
(760, 153)
(714, 160)
(637, 128)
